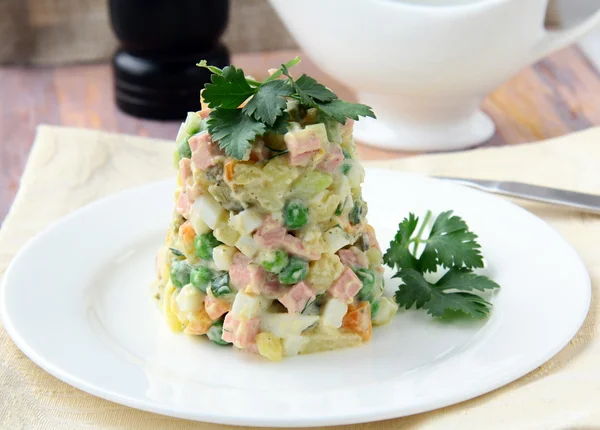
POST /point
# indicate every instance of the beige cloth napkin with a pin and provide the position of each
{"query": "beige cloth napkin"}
(69, 168)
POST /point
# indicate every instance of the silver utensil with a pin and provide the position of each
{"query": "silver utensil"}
(573, 199)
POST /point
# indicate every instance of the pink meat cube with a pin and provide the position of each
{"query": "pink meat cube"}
(297, 298)
(242, 333)
(353, 257)
(204, 151)
(301, 147)
(333, 159)
(346, 286)
(273, 235)
(245, 275)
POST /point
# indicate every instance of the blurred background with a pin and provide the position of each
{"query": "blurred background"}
(56, 67)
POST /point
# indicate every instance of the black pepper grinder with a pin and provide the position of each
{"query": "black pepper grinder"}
(155, 71)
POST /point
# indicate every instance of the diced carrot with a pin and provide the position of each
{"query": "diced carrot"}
(199, 322)
(187, 234)
(228, 170)
(215, 308)
(358, 320)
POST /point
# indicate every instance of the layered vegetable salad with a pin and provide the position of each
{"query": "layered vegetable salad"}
(272, 253)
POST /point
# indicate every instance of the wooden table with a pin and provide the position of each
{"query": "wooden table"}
(558, 95)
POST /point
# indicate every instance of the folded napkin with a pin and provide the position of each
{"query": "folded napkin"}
(68, 168)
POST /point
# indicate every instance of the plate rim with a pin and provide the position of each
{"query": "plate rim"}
(350, 418)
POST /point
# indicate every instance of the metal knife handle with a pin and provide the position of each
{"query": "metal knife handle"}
(582, 201)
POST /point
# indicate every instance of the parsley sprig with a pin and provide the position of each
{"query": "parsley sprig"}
(449, 245)
(235, 127)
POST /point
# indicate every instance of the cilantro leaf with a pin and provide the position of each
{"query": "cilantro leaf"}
(415, 290)
(436, 298)
(309, 87)
(450, 244)
(234, 130)
(463, 279)
(398, 255)
(341, 110)
(269, 101)
(228, 90)
(467, 303)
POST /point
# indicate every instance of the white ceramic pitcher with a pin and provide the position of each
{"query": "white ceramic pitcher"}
(424, 65)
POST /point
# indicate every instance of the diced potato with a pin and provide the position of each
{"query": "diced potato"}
(190, 299)
(326, 339)
(269, 346)
(387, 309)
(224, 233)
(336, 238)
(172, 319)
(324, 271)
(246, 222)
(209, 210)
(223, 257)
(248, 306)
(293, 344)
(323, 206)
(333, 313)
(247, 245)
(374, 256)
(284, 325)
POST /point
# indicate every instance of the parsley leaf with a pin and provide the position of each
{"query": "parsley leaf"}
(228, 90)
(309, 87)
(398, 255)
(436, 298)
(280, 126)
(269, 101)
(341, 110)
(234, 130)
(450, 243)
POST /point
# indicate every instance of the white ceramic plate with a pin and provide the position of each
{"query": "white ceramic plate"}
(76, 301)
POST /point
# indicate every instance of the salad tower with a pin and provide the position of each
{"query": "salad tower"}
(269, 248)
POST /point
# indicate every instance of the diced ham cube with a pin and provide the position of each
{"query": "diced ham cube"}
(346, 286)
(301, 146)
(242, 333)
(215, 308)
(333, 159)
(185, 170)
(193, 192)
(204, 113)
(353, 257)
(273, 235)
(204, 151)
(183, 204)
(297, 298)
(259, 153)
(246, 276)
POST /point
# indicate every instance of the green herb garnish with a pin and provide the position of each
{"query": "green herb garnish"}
(449, 245)
(235, 128)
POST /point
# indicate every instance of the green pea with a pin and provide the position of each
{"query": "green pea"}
(375, 304)
(180, 273)
(204, 244)
(215, 333)
(295, 214)
(358, 212)
(367, 277)
(274, 261)
(183, 148)
(201, 277)
(220, 285)
(294, 272)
